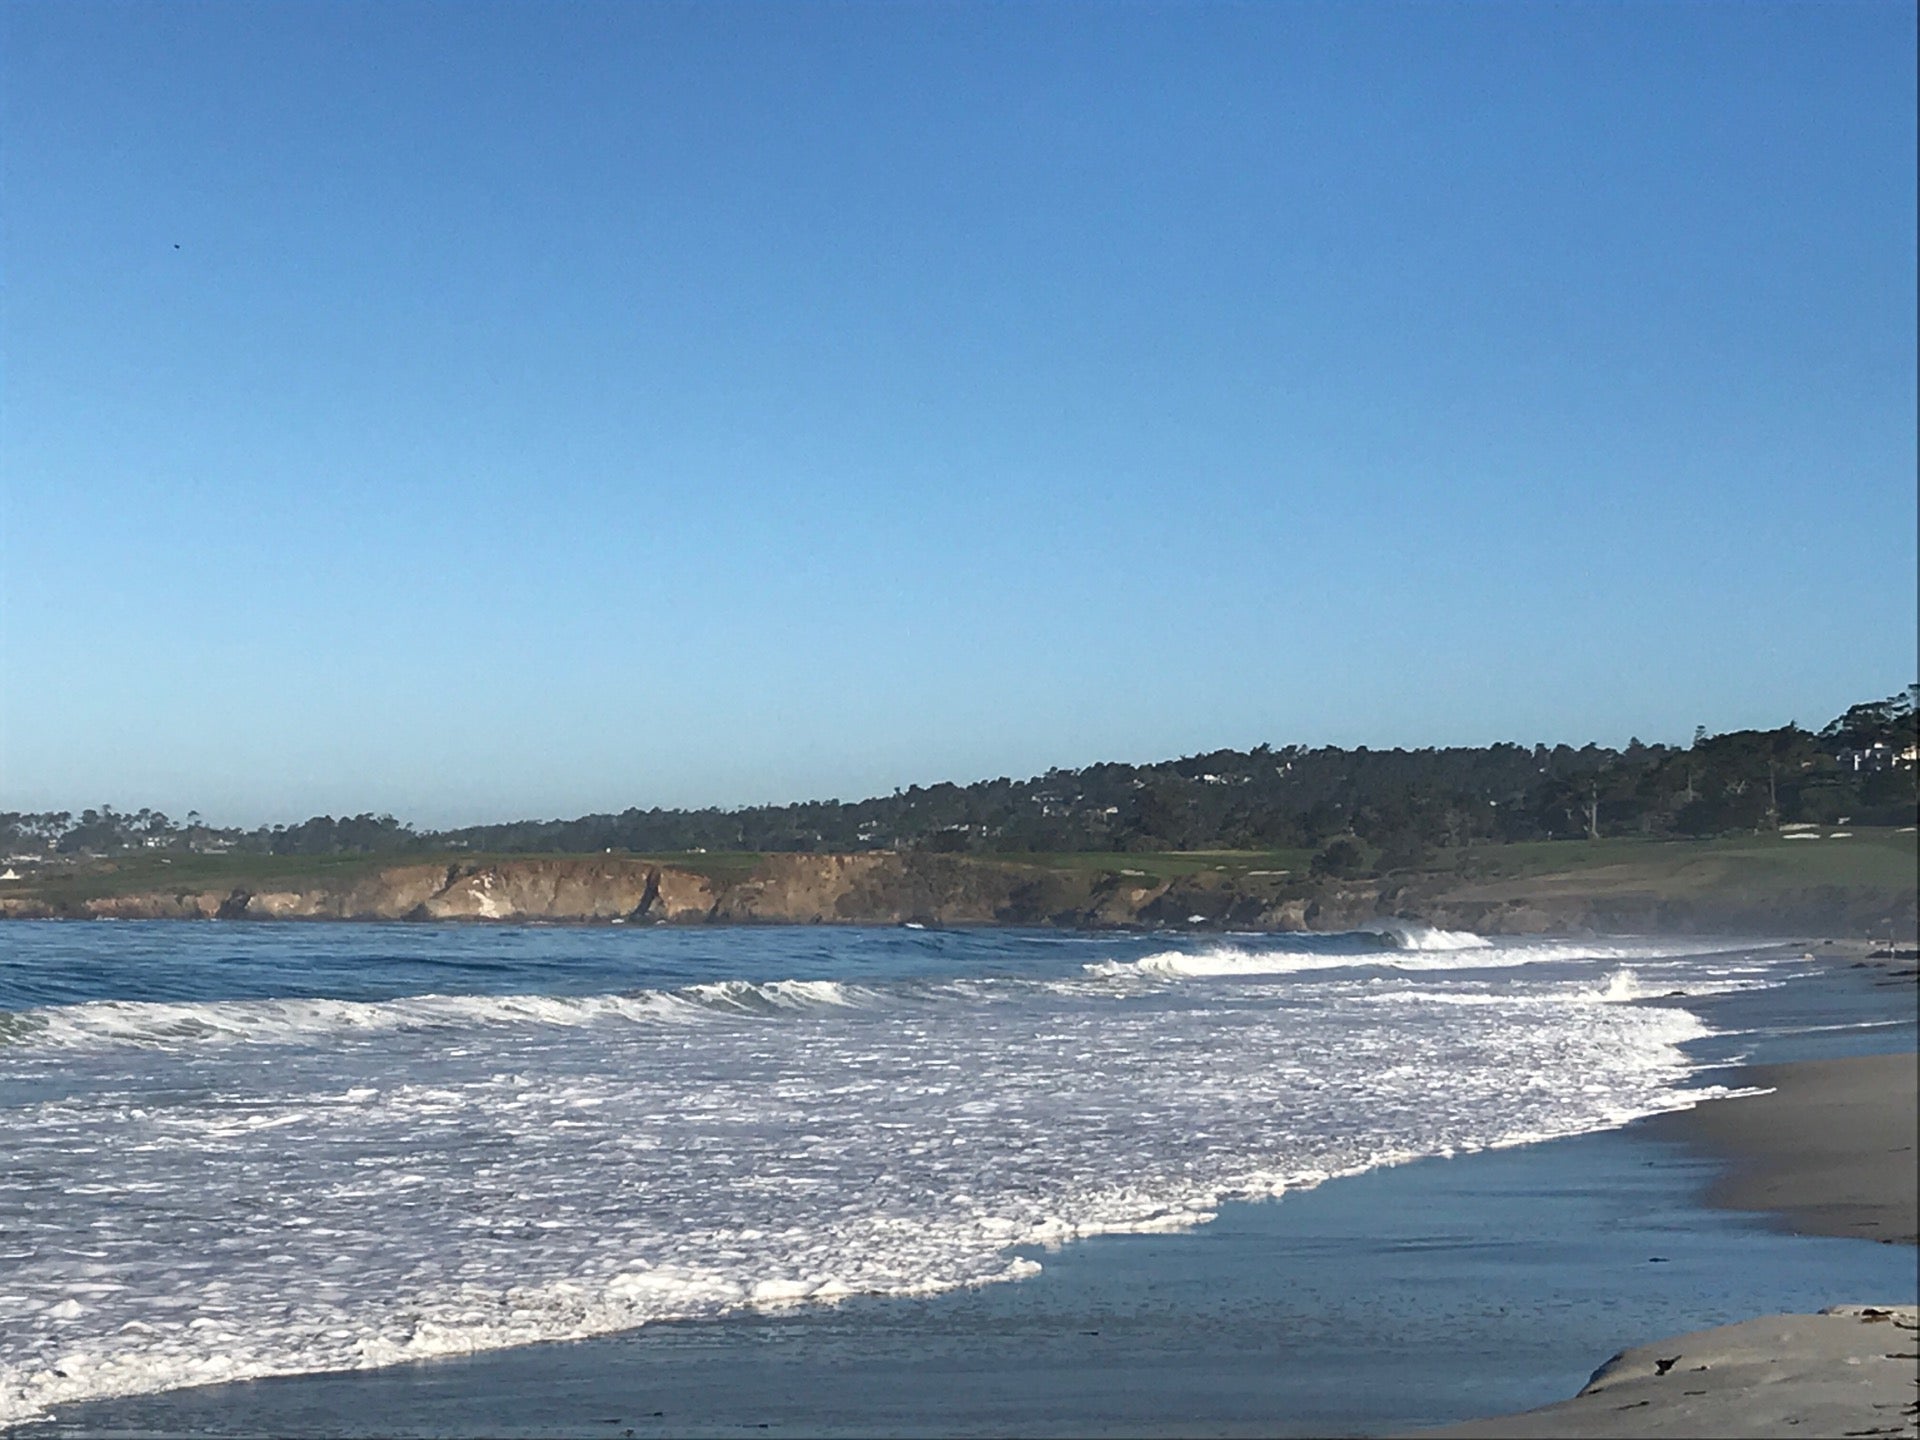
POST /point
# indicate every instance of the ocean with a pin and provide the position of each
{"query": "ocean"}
(236, 1151)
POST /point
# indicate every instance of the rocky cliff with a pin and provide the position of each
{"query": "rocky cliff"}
(882, 889)
(584, 889)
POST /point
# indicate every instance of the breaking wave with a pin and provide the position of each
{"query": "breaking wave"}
(433, 1174)
(1439, 950)
(1408, 935)
(166, 1023)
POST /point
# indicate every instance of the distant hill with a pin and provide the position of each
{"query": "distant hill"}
(1359, 811)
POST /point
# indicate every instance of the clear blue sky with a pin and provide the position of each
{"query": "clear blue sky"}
(476, 411)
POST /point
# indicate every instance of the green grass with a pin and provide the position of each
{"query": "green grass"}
(1877, 858)
(180, 873)
(1163, 864)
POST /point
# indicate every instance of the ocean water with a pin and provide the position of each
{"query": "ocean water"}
(236, 1151)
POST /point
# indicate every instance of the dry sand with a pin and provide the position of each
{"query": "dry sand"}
(1849, 1372)
(1829, 1152)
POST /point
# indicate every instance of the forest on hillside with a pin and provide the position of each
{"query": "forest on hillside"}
(1387, 808)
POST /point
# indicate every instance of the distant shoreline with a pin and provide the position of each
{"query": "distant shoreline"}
(1863, 888)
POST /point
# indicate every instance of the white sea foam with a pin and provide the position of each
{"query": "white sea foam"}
(1625, 985)
(1621, 986)
(1472, 952)
(1410, 935)
(162, 1024)
(1228, 960)
(209, 1192)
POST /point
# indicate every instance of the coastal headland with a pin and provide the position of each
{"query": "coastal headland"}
(1861, 884)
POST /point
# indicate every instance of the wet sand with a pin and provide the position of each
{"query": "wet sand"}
(1831, 1151)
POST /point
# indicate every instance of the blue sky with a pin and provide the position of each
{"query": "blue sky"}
(474, 411)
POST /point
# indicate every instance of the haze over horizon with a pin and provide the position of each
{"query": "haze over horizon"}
(474, 412)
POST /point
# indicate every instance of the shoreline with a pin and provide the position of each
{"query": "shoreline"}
(1123, 1333)
(1829, 1150)
(1368, 1305)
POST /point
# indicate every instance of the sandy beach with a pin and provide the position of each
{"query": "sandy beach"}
(1850, 1370)
(1829, 1151)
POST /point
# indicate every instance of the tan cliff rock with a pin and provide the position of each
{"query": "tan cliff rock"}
(540, 890)
(535, 889)
(878, 888)
(203, 905)
(873, 889)
(393, 893)
(600, 889)
(288, 905)
(680, 897)
(390, 894)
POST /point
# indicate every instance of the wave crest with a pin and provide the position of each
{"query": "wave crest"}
(1411, 935)
(1226, 960)
(164, 1023)
(1423, 949)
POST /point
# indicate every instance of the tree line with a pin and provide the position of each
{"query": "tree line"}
(1386, 808)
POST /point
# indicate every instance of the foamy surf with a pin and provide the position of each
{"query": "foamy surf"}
(440, 1174)
(1218, 960)
(1447, 951)
(163, 1024)
(1283, 960)
(1624, 986)
(1408, 935)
